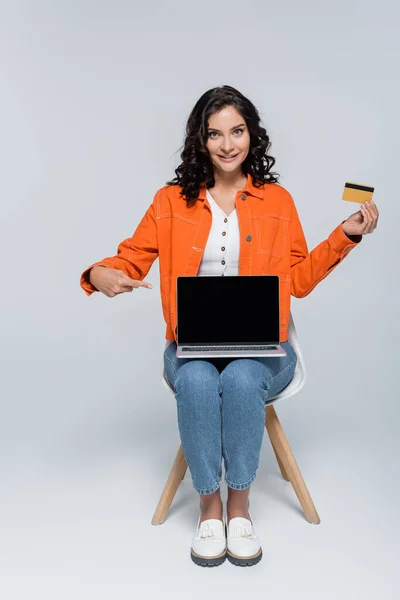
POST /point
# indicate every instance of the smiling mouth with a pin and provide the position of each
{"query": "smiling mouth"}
(228, 157)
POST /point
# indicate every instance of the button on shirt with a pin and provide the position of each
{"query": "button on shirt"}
(221, 254)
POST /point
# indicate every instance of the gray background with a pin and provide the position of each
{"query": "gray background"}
(94, 97)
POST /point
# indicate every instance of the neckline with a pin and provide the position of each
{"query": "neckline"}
(209, 197)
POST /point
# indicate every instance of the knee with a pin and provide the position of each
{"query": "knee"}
(199, 375)
(242, 375)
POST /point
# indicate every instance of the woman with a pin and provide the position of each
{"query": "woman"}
(225, 214)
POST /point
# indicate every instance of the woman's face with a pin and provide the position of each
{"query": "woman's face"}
(228, 136)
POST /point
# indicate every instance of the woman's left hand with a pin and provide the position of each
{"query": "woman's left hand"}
(363, 221)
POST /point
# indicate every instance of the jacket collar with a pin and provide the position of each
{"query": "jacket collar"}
(249, 189)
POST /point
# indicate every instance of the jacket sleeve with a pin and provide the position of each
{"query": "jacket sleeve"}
(309, 268)
(135, 255)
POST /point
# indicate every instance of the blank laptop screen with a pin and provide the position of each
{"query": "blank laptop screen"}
(230, 309)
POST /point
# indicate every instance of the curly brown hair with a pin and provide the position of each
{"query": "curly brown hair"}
(196, 168)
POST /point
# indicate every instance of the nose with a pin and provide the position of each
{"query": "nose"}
(227, 146)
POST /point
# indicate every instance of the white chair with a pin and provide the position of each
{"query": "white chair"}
(280, 445)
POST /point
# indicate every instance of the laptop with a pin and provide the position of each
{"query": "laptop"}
(228, 316)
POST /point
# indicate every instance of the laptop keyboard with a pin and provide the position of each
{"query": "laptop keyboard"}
(224, 348)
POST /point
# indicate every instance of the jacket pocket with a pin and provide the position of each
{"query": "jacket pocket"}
(271, 234)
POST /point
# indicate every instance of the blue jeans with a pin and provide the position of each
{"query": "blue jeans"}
(221, 406)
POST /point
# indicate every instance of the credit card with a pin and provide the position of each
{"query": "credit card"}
(355, 192)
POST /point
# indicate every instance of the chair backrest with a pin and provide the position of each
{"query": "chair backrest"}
(299, 377)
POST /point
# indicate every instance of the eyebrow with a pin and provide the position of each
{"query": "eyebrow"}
(232, 128)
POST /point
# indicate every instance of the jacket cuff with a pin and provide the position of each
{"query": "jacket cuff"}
(340, 242)
(85, 283)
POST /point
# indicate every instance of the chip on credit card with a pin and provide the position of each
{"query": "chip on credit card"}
(355, 192)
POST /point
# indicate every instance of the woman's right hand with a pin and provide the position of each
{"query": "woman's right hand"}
(113, 281)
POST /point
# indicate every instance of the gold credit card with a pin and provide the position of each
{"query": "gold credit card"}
(354, 192)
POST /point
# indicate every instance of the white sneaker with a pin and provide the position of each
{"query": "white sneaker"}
(209, 543)
(243, 544)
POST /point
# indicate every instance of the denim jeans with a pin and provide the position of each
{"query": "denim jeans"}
(221, 406)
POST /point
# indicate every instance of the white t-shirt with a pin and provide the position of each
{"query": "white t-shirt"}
(222, 244)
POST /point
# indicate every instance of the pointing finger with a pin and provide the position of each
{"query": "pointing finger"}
(135, 283)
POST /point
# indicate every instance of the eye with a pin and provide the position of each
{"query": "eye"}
(211, 133)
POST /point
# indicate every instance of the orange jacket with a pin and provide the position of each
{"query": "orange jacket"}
(271, 242)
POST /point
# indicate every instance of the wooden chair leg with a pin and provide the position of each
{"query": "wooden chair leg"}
(281, 467)
(285, 456)
(176, 475)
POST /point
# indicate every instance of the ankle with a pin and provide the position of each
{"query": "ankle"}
(210, 508)
(231, 513)
(213, 513)
(237, 508)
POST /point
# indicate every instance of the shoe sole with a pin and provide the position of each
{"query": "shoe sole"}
(208, 561)
(244, 561)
